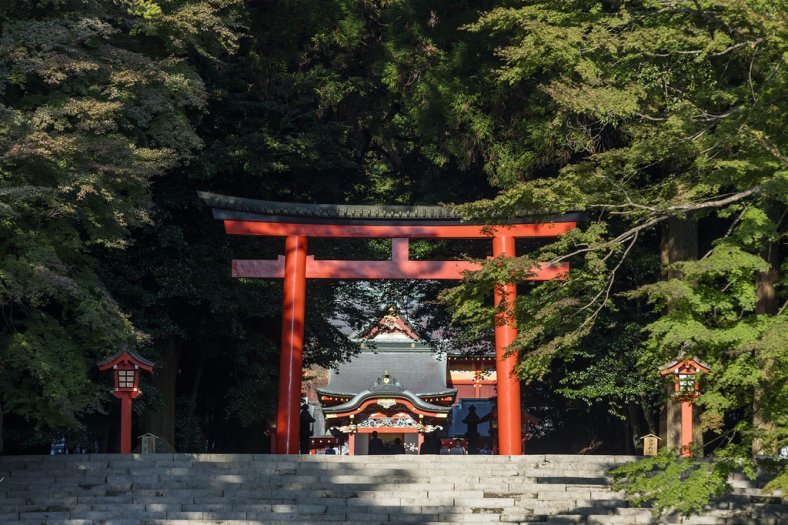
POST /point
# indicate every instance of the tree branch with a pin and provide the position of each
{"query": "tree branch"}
(667, 213)
(653, 119)
(607, 289)
(725, 51)
(768, 146)
(730, 229)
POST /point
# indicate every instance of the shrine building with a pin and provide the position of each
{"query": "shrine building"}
(401, 388)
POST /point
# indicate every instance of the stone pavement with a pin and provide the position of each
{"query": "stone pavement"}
(235, 489)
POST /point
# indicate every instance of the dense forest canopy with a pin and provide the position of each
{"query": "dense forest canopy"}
(662, 120)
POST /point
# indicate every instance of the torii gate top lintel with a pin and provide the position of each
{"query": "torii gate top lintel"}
(244, 216)
(280, 219)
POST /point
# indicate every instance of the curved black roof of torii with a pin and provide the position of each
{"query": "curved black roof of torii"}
(226, 207)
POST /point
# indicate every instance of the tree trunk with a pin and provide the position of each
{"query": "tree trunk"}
(768, 304)
(198, 378)
(670, 421)
(162, 422)
(2, 444)
(648, 415)
(634, 425)
(679, 243)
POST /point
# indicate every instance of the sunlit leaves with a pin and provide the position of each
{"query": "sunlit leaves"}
(636, 113)
(89, 116)
(670, 484)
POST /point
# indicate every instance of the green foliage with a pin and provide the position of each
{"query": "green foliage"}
(612, 372)
(88, 117)
(778, 483)
(670, 484)
(640, 114)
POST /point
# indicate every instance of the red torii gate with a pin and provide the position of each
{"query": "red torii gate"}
(298, 222)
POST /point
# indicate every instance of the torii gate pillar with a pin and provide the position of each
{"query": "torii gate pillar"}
(510, 435)
(292, 356)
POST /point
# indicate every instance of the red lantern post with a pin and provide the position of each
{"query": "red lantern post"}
(126, 368)
(685, 372)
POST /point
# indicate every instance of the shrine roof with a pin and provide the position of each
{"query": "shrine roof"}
(406, 395)
(419, 371)
(393, 326)
(227, 207)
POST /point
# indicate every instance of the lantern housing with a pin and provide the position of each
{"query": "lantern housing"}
(126, 366)
(685, 372)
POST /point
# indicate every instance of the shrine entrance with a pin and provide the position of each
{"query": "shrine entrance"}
(390, 409)
(298, 222)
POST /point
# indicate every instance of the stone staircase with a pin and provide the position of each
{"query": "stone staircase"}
(180, 489)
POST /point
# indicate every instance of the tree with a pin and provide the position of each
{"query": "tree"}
(641, 113)
(298, 112)
(89, 114)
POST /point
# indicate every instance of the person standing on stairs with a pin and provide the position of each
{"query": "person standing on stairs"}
(397, 447)
(375, 445)
(305, 430)
(457, 450)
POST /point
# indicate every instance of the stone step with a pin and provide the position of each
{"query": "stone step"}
(589, 478)
(221, 488)
(417, 467)
(240, 461)
(505, 507)
(153, 482)
(316, 488)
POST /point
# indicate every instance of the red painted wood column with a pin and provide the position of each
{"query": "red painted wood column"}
(291, 360)
(509, 417)
(686, 428)
(125, 425)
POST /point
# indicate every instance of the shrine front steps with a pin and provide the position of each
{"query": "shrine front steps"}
(183, 489)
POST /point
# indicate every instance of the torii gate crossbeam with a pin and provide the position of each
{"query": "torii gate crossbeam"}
(298, 222)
